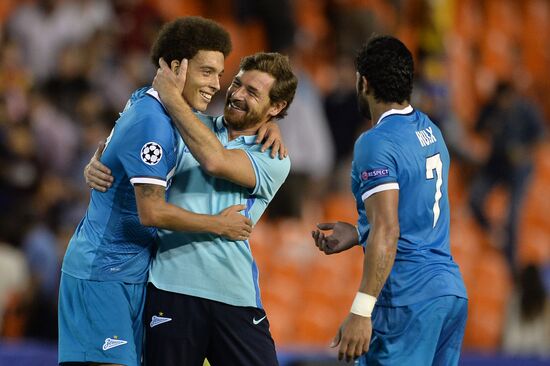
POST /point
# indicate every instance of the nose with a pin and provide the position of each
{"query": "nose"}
(215, 83)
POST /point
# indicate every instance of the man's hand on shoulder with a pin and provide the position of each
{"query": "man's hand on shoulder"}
(269, 135)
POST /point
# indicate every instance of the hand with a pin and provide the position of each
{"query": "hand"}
(233, 225)
(169, 84)
(353, 337)
(343, 237)
(97, 175)
(270, 134)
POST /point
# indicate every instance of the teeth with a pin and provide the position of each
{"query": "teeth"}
(234, 106)
(206, 96)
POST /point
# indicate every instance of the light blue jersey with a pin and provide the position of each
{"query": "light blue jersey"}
(406, 151)
(206, 265)
(110, 244)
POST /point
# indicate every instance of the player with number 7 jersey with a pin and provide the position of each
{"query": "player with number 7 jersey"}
(406, 151)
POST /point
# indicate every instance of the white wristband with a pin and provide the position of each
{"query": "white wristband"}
(363, 304)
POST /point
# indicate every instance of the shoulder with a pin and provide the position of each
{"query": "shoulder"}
(264, 161)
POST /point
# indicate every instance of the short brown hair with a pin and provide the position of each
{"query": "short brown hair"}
(278, 66)
(184, 37)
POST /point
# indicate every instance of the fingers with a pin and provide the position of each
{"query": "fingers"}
(267, 143)
(326, 225)
(261, 133)
(283, 151)
(182, 72)
(99, 150)
(163, 64)
(275, 149)
(336, 340)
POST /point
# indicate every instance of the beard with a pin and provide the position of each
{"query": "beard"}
(240, 123)
(362, 101)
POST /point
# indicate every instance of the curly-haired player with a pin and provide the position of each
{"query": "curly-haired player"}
(104, 273)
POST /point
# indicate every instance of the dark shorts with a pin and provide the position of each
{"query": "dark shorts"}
(184, 330)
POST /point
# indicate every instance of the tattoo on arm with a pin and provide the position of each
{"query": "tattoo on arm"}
(151, 191)
(384, 261)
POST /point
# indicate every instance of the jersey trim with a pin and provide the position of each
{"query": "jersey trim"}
(380, 188)
(406, 110)
(148, 180)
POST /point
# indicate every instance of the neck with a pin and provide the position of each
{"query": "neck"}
(378, 109)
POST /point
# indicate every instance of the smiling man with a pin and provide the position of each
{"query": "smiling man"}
(205, 287)
(104, 273)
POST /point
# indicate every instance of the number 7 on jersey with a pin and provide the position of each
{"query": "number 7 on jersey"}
(434, 163)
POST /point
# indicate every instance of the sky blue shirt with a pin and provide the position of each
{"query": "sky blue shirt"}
(109, 243)
(206, 265)
(406, 151)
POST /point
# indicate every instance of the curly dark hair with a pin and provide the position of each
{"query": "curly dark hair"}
(278, 66)
(184, 37)
(388, 66)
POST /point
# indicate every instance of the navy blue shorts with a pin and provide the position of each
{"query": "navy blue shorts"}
(184, 330)
(427, 333)
(100, 321)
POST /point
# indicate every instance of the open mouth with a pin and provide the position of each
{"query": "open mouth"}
(237, 106)
(207, 97)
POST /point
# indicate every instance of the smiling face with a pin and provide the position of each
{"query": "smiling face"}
(247, 103)
(203, 78)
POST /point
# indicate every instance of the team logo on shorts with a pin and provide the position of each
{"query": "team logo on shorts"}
(112, 343)
(151, 153)
(156, 320)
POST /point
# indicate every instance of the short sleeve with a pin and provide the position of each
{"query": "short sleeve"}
(270, 173)
(375, 164)
(145, 154)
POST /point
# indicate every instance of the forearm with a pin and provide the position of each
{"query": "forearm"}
(171, 217)
(202, 143)
(379, 258)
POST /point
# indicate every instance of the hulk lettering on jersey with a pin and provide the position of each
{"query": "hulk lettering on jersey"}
(426, 137)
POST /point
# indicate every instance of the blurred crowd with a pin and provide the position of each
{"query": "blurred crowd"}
(67, 68)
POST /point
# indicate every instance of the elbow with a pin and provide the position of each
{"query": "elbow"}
(213, 166)
(149, 218)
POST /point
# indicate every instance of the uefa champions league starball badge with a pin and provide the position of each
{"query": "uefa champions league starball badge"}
(151, 153)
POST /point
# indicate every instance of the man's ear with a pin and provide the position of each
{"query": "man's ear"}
(276, 108)
(175, 66)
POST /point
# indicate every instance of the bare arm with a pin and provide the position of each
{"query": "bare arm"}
(355, 333)
(233, 165)
(381, 247)
(154, 211)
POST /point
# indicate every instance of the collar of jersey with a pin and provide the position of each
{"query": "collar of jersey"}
(408, 109)
(248, 139)
(152, 92)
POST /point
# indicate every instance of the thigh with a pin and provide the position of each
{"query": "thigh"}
(408, 335)
(177, 328)
(450, 339)
(100, 321)
(241, 337)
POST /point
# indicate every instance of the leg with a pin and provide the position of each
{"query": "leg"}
(96, 322)
(176, 329)
(407, 335)
(241, 337)
(450, 339)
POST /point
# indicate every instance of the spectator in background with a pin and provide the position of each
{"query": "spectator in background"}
(306, 133)
(513, 126)
(527, 328)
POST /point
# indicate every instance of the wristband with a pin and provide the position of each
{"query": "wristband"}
(363, 304)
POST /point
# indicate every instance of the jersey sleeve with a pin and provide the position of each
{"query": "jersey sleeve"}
(374, 162)
(270, 173)
(145, 153)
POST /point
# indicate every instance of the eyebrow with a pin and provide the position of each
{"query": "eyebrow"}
(210, 68)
